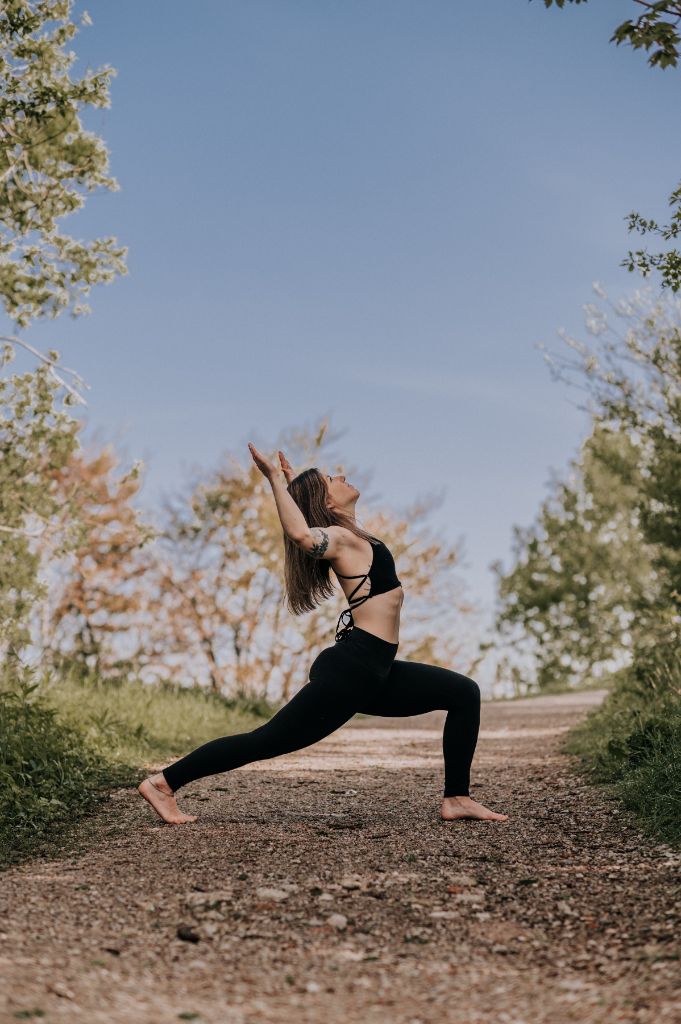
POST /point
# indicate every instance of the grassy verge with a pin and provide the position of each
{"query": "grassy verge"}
(135, 723)
(66, 742)
(632, 743)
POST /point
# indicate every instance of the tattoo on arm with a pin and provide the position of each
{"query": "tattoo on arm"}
(321, 542)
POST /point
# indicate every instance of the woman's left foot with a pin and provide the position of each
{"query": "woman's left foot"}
(158, 793)
(455, 807)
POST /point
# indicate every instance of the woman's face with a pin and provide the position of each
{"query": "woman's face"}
(341, 493)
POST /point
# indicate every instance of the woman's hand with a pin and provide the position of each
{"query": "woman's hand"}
(286, 467)
(292, 519)
(263, 464)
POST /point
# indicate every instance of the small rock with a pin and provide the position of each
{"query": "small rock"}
(326, 896)
(338, 921)
(210, 929)
(213, 905)
(350, 954)
(60, 989)
(470, 897)
(462, 880)
(313, 986)
(351, 882)
(271, 894)
(447, 914)
(187, 933)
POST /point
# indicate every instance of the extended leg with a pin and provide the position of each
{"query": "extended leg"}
(317, 710)
(312, 714)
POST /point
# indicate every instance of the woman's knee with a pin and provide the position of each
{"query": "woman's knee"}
(262, 743)
(468, 691)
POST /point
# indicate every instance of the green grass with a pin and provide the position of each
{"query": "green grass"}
(632, 743)
(65, 742)
(138, 723)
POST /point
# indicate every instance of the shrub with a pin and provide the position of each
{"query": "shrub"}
(66, 740)
(633, 742)
(49, 775)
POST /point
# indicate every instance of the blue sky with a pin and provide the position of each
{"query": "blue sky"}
(369, 210)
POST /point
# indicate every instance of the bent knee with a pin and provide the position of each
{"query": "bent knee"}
(468, 690)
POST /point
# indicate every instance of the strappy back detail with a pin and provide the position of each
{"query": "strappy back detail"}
(345, 617)
(384, 579)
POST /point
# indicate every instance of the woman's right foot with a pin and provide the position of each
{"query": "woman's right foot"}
(456, 807)
(158, 793)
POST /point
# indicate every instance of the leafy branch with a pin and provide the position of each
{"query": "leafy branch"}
(656, 31)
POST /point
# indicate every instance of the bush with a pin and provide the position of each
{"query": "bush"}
(49, 775)
(633, 742)
(66, 741)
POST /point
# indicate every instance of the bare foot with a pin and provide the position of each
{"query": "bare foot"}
(455, 807)
(158, 793)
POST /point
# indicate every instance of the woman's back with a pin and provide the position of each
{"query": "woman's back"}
(374, 593)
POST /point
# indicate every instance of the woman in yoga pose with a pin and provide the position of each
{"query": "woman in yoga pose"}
(360, 672)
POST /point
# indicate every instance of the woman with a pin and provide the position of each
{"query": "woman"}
(360, 673)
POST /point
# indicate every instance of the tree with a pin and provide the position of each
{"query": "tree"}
(219, 590)
(581, 572)
(98, 591)
(655, 29)
(48, 164)
(36, 441)
(631, 375)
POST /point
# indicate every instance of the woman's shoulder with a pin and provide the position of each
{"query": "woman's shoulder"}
(345, 537)
(352, 541)
(348, 538)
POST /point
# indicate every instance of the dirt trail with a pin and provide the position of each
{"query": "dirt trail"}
(323, 888)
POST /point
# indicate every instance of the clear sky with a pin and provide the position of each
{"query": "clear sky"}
(371, 209)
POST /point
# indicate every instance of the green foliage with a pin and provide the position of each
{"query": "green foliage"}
(648, 30)
(655, 29)
(667, 263)
(580, 572)
(49, 775)
(66, 741)
(633, 741)
(36, 440)
(48, 162)
(632, 375)
(661, 508)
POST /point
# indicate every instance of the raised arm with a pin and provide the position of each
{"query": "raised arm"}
(317, 541)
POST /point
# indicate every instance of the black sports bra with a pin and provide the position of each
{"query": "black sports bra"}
(382, 577)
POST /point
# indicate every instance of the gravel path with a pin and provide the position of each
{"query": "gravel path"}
(322, 888)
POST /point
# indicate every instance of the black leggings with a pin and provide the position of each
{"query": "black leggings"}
(361, 674)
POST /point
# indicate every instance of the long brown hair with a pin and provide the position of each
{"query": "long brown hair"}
(307, 579)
